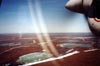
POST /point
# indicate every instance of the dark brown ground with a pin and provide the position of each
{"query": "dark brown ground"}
(15, 52)
(81, 59)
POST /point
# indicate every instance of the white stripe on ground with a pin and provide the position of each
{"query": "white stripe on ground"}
(70, 50)
(91, 50)
(51, 59)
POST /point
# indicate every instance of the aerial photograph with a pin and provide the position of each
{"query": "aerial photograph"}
(49, 33)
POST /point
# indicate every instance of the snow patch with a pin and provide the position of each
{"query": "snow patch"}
(69, 54)
(91, 50)
(69, 50)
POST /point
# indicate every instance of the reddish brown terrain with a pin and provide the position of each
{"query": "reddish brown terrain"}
(82, 59)
(29, 43)
(13, 54)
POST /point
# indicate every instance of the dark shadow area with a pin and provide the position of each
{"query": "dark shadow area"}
(0, 2)
(96, 5)
(95, 9)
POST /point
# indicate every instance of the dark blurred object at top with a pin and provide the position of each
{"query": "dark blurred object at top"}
(96, 5)
(0, 2)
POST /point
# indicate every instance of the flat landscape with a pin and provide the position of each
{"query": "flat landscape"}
(66, 49)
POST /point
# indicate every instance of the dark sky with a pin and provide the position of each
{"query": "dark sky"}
(27, 16)
(0, 2)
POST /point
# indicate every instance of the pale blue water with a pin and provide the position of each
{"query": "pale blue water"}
(70, 45)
